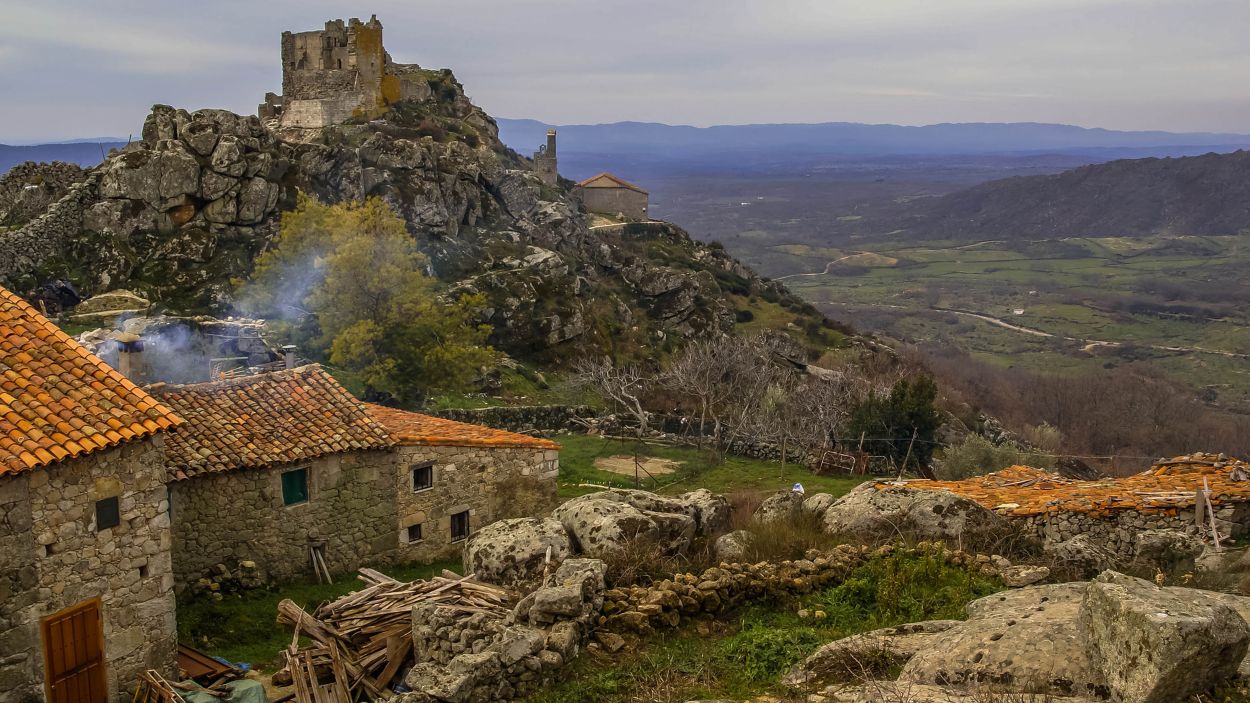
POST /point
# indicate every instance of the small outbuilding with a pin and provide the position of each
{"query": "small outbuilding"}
(608, 194)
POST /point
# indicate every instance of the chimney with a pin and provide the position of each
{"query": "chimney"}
(130, 356)
(288, 353)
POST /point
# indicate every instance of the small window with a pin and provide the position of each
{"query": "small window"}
(107, 513)
(423, 477)
(414, 533)
(295, 487)
(459, 526)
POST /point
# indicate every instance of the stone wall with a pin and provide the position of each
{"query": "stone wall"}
(1118, 531)
(227, 517)
(24, 250)
(53, 557)
(490, 483)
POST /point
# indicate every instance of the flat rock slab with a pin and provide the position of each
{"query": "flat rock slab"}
(891, 691)
(868, 654)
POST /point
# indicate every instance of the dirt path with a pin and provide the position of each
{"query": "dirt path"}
(1087, 342)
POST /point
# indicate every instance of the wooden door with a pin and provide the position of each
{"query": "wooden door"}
(73, 655)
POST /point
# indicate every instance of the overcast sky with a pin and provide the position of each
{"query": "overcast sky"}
(93, 67)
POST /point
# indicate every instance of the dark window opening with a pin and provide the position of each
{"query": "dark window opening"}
(107, 513)
(460, 526)
(414, 533)
(423, 477)
(48, 550)
(295, 487)
(143, 571)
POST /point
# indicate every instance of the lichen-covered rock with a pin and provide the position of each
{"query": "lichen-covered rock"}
(1022, 575)
(515, 552)
(1158, 645)
(886, 512)
(783, 506)
(1081, 554)
(817, 503)
(732, 546)
(1028, 637)
(867, 653)
(1169, 550)
(601, 523)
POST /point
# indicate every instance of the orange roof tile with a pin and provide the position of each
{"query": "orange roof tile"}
(1022, 491)
(58, 400)
(607, 180)
(414, 428)
(265, 420)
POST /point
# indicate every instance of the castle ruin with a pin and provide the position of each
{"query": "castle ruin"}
(341, 72)
(545, 160)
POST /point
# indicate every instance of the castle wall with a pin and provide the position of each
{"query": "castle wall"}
(232, 516)
(53, 557)
(629, 203)
(491, 483)
(331, 75)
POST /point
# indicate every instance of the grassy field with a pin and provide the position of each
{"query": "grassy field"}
(578, 474)
(1077, 290)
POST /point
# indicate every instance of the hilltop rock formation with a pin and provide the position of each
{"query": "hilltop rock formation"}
(178, 214)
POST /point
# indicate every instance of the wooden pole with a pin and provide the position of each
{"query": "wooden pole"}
(902, 469)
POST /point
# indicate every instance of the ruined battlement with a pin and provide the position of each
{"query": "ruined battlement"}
(333, 74)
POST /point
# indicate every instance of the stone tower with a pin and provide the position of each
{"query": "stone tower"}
(545, 160)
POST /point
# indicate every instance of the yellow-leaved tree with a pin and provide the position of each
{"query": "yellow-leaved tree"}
(350, 280)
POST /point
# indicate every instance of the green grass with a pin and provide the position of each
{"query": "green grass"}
(242, 627)
(743, 655)
(732, 474)
(1063, 286)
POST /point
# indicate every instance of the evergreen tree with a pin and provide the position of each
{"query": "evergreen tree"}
(889, 422)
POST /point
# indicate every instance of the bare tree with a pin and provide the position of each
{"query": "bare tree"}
(625, 386)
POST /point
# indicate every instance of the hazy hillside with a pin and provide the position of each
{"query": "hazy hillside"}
(81, 153)
(643, 150)
(1208, 195)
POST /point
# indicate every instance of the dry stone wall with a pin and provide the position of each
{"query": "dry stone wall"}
(229, 517)
(24, 250)
(1119, 532)
(54, 556)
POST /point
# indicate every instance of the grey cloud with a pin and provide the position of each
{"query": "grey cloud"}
(1167, 64)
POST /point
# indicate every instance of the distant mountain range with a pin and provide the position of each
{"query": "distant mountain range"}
(83, 153)
(1203, 195)
(641, 150)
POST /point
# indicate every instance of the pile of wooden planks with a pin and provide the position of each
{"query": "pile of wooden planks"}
(362, 640)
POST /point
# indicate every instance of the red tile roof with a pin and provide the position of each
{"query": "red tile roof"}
(607, 180)
(414, 428)
(265, 420)
(59, 401)
(1021, 491)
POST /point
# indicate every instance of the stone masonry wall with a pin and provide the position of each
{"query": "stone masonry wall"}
(628, 202)
(491, 483)
(52, 557)
(1118, 533)
(24, 250)
(227, 517)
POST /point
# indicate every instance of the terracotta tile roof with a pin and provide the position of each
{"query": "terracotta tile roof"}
(415, 428)
(1021, 491)
(607, 180)
(57, 400)
(265, 420)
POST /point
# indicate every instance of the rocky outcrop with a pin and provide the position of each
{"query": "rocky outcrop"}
(603, 522)
(732, 546)
(1155, 645)
(783, 506)
(179, 214)
(1117, 638)
(516, 552)
(887, 512)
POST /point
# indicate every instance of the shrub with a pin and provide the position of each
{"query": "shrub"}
(741, 316)
(976, 456)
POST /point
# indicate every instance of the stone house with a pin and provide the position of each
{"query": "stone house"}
(271, 464)
(86, 583)
(454, 478)
(608, 194)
